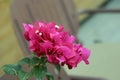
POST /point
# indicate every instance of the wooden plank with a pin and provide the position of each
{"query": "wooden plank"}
(70, 11)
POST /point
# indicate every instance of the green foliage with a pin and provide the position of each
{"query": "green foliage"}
(39, 72)
(11, 69)
(23, 75)
(38, 65)
(24, 61)
(34, 61)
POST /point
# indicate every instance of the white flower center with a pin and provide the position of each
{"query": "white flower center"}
(56, 26)
(37, 31)
(40, 34)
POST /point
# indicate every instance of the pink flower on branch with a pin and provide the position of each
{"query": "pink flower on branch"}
(59, 47)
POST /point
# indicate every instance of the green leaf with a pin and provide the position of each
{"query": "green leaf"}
(11, 69)
(39, 72)
(22, 75)
(34, 61)
(58, 67)
(49, 76)
(43, 60)
(24, 61)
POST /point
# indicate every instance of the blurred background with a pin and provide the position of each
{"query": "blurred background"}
(100, 32)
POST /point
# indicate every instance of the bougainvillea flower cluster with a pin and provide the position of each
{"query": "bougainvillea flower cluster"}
(57, 45)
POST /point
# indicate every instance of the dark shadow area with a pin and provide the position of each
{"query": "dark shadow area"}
(86, 78)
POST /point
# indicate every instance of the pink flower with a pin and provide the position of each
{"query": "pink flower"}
(72, 62)
(27, 28)
(58, 46)
(66, 38)
(36, 47)
(81, 54)
(63, 53)
(85, 53)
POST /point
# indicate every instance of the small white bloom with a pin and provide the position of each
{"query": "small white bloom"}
(56, 26)
(40, 34)
(37, 31)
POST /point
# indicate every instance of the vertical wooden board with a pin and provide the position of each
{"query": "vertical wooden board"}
(60, 14)
(51, 10)
(21, 14)
(44, 15)
(38, 6)
(70, 11)
(33, 12)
